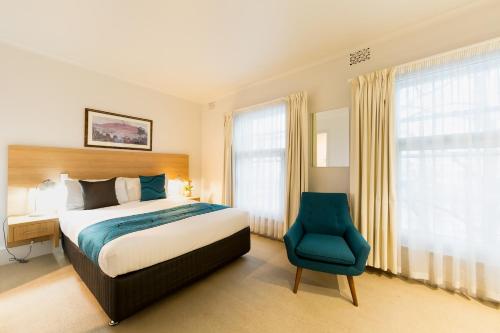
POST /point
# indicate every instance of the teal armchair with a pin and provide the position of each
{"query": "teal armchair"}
(324, 239)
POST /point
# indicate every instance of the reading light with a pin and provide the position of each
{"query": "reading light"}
(44, 197)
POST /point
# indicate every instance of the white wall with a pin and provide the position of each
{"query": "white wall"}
(42, 102)
(327, 86)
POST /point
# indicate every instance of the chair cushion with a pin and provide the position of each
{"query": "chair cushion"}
(324, 213)
(326, 248)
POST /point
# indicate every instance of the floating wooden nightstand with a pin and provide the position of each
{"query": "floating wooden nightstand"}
(25, 229)
(193, 198)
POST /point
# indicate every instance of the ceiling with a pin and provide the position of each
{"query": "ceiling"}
(203, 49)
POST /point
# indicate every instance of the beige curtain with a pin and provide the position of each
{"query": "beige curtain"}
(372, 169)
(297, 155)
(227, 184)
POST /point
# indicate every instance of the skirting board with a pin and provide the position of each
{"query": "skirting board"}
(39, 249)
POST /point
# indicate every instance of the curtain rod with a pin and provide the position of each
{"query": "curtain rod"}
(442, 54)
(281, 99)
(445, 53)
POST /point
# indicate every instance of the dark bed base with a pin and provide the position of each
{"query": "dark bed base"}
(124, 295)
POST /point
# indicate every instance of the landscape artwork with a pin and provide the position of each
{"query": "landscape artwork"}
(112, 130)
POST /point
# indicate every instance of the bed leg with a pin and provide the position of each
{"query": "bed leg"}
(113, 323)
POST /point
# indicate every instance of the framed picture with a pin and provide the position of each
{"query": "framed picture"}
(112, 130)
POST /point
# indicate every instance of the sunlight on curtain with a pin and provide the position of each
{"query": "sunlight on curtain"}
(448, 173)
(259, 163)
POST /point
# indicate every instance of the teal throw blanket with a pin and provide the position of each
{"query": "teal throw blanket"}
(94, 237)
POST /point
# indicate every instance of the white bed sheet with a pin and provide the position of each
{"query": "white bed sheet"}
(148, 247)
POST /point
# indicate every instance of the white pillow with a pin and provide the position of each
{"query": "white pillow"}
(121, 190)
(74, 192)
(74, 195)
(175, 188)
(133, 186)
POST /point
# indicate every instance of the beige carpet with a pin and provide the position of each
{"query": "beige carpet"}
(253, 294)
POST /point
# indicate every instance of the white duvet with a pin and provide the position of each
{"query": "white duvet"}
(148, 247)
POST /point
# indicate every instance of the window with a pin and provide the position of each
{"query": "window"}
(448, 172)
(259, 153)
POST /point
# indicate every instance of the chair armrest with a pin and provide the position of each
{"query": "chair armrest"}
(359, 246)
(293, 236)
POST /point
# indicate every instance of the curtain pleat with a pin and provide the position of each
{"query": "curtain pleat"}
(297, 155)
(372, 188)
(227, 184)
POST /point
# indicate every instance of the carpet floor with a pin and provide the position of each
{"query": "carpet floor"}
(252, 294)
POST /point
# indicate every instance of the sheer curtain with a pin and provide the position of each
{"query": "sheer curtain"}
(448, 170)
(259, 165)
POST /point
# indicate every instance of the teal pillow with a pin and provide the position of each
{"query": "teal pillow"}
(152, 187)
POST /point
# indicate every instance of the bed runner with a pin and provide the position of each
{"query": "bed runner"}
(95, 236)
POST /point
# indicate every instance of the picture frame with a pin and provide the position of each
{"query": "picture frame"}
(117, 131)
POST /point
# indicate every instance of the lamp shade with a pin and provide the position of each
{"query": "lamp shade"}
(45, 198)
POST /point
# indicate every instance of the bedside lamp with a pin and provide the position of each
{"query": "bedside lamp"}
(44, 198)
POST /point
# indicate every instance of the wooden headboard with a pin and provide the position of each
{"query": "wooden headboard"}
(30, 165)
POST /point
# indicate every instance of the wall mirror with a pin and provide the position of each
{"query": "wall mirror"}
(331, 138)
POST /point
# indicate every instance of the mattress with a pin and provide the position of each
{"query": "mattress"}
(148, 247)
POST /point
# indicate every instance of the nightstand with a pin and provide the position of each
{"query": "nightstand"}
(25, 229)
(193, 198)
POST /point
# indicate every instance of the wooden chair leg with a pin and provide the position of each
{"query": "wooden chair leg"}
(350, 279)
(297, 279)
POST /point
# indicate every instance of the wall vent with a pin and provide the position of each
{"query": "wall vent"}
(359, 56)
(211, 105)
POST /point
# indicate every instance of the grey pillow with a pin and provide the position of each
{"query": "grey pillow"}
(99, 194)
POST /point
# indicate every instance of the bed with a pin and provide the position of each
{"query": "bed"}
(125, 279)
(140, 268)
